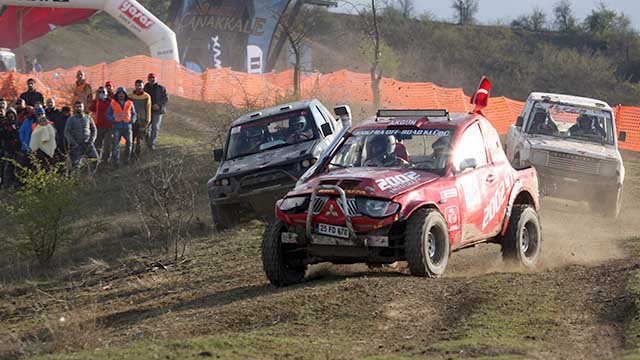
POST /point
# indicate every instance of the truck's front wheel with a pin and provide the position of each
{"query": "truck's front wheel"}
(523, 241)
(427, 243)
(275, 263)
(225, 216)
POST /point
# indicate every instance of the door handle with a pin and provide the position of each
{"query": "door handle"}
(491, 178)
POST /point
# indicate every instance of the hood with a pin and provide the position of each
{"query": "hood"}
(120, 90)
(581, 148)
(266, 159)
(370, 181)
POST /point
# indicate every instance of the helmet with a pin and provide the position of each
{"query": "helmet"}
(298, 123)
(585, 121)
(255, 133)
(380, 145)
(441, 144)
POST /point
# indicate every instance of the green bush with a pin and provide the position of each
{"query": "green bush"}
(42, 210)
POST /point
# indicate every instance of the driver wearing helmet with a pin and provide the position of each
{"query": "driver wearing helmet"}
(381, 152)
(298, 130)
(585, 125)
(254, 137)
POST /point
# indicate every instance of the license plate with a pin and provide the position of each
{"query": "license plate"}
(332, 230)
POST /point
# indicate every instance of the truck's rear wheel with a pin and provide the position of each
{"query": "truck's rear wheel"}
(523, 242)
(275, 263)
(427, 243)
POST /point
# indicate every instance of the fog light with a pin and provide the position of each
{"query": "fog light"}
(306, 163)
(224, 182)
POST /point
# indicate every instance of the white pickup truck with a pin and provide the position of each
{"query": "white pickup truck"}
(572, 143)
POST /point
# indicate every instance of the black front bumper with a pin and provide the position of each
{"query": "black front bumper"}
(572, 185)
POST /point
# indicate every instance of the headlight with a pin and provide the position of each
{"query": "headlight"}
(608, 168)
(377, 208)
(539, 157)
(292, 203)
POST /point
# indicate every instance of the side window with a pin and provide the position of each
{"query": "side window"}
(471, 146)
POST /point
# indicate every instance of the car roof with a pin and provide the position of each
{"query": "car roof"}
(455, 121)
(570, 100)
(279, 109)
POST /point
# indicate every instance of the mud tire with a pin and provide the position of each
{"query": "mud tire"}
(522, 244)
(426, 261)
(274, 260)
(225, 216)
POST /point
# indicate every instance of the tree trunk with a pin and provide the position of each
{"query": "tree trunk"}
(296, 74)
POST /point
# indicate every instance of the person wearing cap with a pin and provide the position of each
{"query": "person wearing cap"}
(159, 101)
(99, 107)
(142, 104)
(122, 114)
(80, 133)
(22, 111)
(108, 86)
(31, 96)
(82, 91)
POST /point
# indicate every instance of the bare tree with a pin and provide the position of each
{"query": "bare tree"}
(296, 25)
(465, 10)
(376, 76)
(165, 200)
(537, 19)
(564, 20)
(406, 7)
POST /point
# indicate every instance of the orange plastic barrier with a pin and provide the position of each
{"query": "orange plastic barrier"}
(244, 90)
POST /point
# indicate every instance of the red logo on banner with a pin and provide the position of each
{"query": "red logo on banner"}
(136, 15)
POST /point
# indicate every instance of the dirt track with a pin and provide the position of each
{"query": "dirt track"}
(218, 302)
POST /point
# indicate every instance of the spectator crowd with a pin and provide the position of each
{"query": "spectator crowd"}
(88, 131)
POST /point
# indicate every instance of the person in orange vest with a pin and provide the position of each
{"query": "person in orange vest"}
(83, 91)
(122, 114)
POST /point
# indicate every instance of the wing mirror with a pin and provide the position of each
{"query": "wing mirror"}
(344, 113)
(469, 163)
(520, 121)
(217, 154)
(326, 129)
(622, 136)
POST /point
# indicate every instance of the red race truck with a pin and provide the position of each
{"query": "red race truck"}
(407, 185)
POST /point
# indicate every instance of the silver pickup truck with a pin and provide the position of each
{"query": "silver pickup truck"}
(572, 143)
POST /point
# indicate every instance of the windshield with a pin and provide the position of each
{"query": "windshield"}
(574, 122)
(423, 149)
(269, 133)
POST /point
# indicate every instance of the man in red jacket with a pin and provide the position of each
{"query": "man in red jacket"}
(104, 140)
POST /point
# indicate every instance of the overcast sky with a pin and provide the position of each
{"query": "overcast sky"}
(491, 11)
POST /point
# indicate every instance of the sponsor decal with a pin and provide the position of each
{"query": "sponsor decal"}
(448, 193)
(403, 122)
(495, 204)
(398, 181)
(215, 49)
(418, 132)
(453, 217)
(135, 15)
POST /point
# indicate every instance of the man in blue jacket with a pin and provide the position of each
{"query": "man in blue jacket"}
(122, 113)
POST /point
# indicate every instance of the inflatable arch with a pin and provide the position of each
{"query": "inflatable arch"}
(140, 21)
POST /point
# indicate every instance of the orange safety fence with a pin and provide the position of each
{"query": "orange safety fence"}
(242, 90)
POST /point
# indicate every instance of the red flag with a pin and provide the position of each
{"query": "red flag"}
(481, 98)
